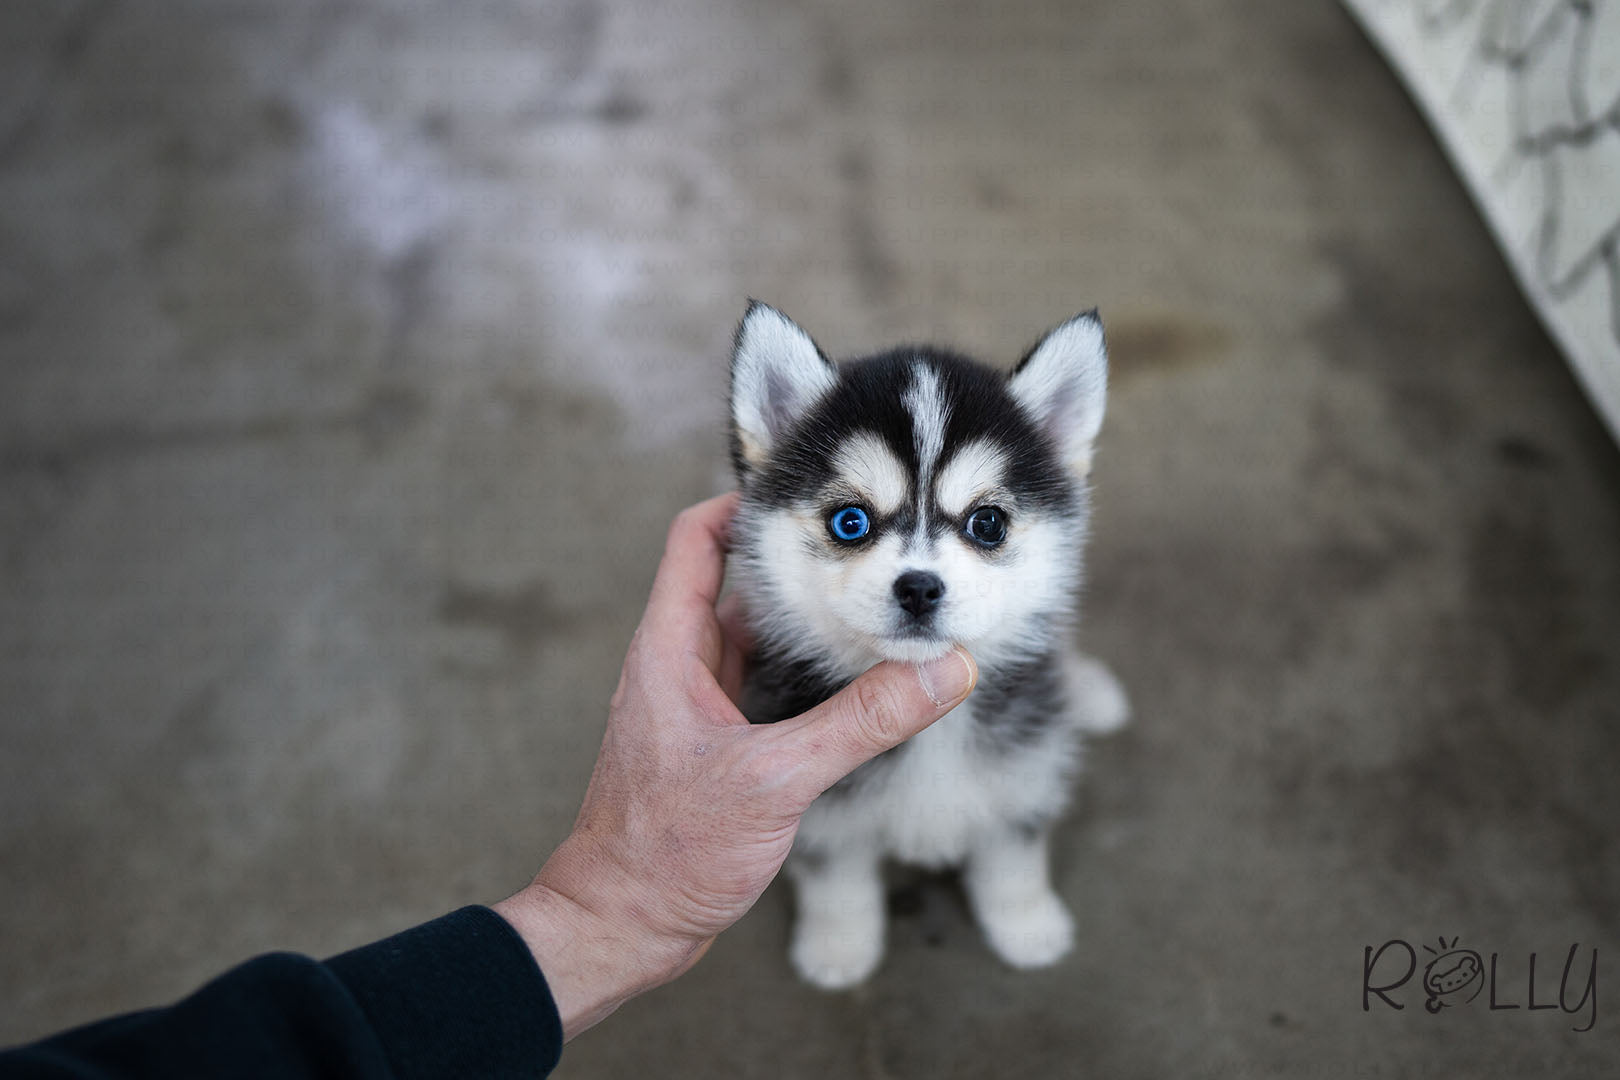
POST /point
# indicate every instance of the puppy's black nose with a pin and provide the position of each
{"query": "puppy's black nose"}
(918, 591)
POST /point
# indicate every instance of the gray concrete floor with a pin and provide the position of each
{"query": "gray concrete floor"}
(353, 357)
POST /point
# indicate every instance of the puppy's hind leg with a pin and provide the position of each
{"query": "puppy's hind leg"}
(838, 931)
(1010, 891)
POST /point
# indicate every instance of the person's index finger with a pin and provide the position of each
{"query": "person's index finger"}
(694, 562)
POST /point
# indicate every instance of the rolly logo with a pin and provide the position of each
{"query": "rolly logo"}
(1454, 977)
(1457, 976)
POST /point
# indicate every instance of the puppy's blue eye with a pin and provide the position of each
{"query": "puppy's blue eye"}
(987, 526)
(849, 524)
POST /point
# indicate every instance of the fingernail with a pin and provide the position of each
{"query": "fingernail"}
(948, 678)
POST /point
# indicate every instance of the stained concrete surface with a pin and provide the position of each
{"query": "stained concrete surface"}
(355, 356)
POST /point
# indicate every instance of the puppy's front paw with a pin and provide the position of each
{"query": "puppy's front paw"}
(833, 954)
(1034, 932)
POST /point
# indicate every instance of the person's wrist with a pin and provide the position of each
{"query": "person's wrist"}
(595, 954)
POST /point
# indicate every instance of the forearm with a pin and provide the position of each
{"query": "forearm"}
(594, 960)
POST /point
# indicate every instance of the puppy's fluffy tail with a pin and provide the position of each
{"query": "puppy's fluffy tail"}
(1096, 697)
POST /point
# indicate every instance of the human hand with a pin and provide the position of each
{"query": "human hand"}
(691, 810)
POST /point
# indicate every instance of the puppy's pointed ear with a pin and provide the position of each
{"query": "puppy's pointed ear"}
(777, 374)
(1062, 385)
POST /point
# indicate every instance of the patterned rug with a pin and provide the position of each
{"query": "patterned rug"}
(1525, 97)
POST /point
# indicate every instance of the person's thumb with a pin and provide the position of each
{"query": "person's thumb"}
(877, 712)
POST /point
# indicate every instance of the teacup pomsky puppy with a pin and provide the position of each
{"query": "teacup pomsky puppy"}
(893, 506)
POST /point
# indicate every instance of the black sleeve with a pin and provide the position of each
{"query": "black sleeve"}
(459, 996)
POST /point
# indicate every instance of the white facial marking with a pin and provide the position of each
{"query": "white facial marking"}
(867, 465)
(926, 404)
(972, 475)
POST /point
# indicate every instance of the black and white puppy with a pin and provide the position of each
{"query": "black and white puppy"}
(893, 506)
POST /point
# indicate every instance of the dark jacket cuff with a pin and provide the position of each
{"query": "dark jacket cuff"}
(458, 996)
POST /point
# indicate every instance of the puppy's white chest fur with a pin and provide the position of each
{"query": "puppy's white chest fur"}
(944, 792)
